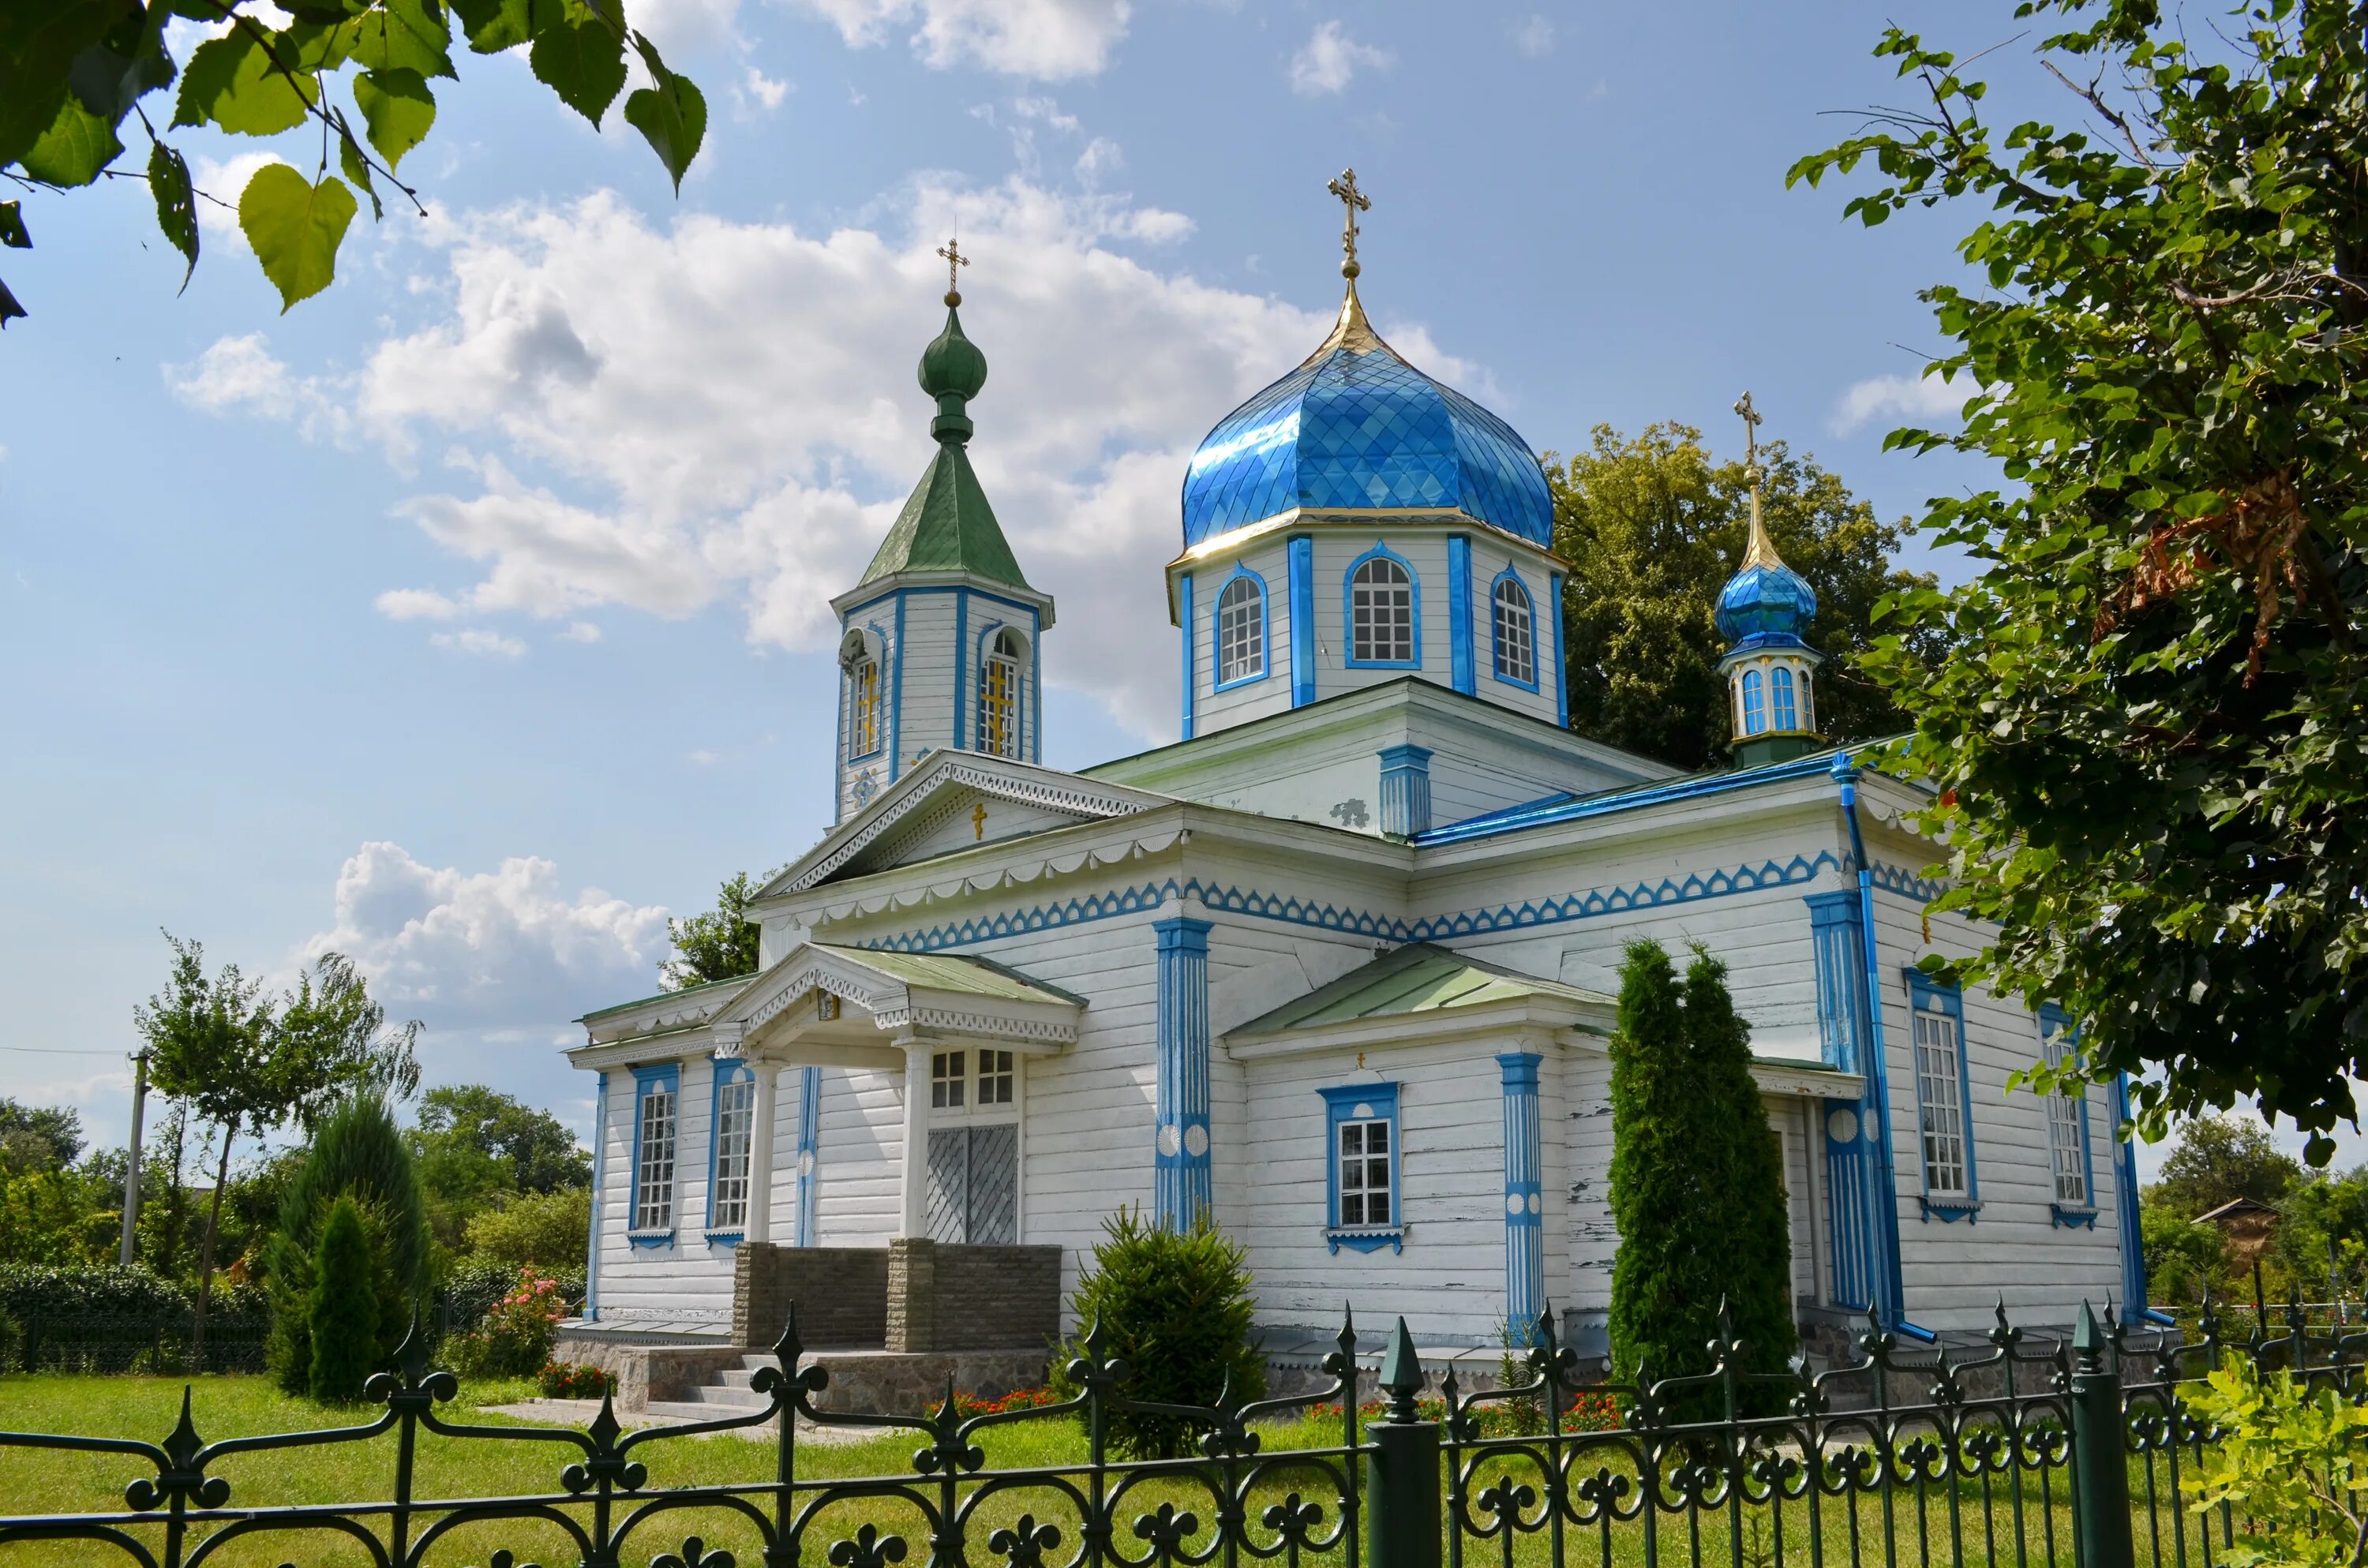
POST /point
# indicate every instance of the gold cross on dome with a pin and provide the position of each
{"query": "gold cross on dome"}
(955, 262)
(1354, 201)
(1750, 431)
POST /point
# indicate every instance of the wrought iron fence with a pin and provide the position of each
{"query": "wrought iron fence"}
(139, 1342)
(2016, 1449)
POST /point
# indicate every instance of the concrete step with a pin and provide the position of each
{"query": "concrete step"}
(737, 1377)
(734, 1398)
(681, 1410)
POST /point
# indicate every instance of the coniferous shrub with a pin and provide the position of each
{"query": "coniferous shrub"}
(358, 1152)
(1176, 1307)
(342, 1316)
(1697, 1187)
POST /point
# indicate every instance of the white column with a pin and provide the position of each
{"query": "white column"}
(760, 1154)
(915, 1221)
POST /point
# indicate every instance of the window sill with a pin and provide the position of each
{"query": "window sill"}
(651, 1238)
(1528, 685)
(2068, 1215)
(1238, 681)
(1365, 1238)
(1949, 1210)
(1380, 664)
(725, 1238)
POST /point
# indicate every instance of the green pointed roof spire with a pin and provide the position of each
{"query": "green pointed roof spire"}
(947, 525)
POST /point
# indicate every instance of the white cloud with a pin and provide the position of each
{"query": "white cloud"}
(719, 412)
(1330, 59)
(1044, 39)
(1898, 397)
(242, 375)
(506, 948)
(704, 758)
(1534, 35)
(581, 632)
(223, 179)
(477, 639)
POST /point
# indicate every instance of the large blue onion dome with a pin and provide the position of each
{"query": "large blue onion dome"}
(1765, 601)
(1357, 428)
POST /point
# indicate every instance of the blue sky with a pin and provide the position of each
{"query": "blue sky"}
(471, 618)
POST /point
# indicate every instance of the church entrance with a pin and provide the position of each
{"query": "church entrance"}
(974, 1184)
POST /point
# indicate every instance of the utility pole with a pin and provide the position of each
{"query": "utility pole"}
(132, 1166)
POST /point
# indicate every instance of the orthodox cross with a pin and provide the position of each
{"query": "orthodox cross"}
(1354, 201)
(978, 820)
(1750, 432)
(955, 262)
(1760, 549)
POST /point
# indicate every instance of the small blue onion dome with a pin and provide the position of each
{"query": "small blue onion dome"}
(1356, 427)
(1766, 600)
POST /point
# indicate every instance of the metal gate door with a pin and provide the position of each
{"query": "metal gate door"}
(974, 1184)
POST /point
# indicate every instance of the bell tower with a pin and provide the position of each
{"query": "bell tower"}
(1762, 612)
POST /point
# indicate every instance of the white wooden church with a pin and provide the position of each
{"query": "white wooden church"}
(1335, 969)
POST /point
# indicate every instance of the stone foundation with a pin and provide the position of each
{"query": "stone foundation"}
(646, 1372)
(874, 1383)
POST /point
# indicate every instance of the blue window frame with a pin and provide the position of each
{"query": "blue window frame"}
(1513, 620)
(2072, 1171)
(657, 1115)
(1361, 1155)
(731, 1150)
(1381, 603)
(1755, 707)
(1237, 631)
(862, 698)
(1944, 1099)
(1003, 660)
(1787, 711)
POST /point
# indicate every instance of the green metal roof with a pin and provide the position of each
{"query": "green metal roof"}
(949, 972)
(1417, 978)
(735, 981)
(947, 526)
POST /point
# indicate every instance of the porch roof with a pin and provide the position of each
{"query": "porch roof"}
(1417, 978)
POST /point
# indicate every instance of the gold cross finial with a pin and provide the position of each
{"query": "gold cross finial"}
(1760, 550)
(955, 262)
(1750, 433)
(1354, 201)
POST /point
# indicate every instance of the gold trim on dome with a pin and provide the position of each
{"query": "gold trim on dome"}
(1351, 332)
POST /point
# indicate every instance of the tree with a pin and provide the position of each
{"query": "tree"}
(2149, 742)
(73, 70)
(477, 1147)
(1652, 528)
(2218, 1160)
(1697, 1186)
(550, 1229)
(342, 1314)
(39, 1137)
(357, 1152)
(720, 944)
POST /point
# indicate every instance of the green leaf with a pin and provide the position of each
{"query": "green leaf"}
(109, 84)
(398, 108)
(495, 24)
(670, 115)
(234, 82)
(356, 167)
(76, 146)
(13, 233)
(583, 62)
(176, 209)
(405, 35)
(9, 305)
(295, 227)
(37, 47)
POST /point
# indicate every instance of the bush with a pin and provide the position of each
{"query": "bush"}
(477, 1285)
(550, 1229)
(69, 1293)
(343, 1320)
(568, 1379)
(515, 1337)
(357, 1151)
(2289, 1458)
(1176, 1309)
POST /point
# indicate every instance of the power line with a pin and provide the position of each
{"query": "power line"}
(62, 1051)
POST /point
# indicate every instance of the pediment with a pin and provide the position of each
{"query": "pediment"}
(950, 801)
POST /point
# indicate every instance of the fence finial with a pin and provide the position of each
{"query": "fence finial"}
(2087, 1339)
(1401, 1374)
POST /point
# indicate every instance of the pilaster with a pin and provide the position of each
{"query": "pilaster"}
(1525, 1260)
(1182, 1186)
(1406, 791)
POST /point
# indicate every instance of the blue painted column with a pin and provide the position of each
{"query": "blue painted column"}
(599, 1199)
(1301, 562)
(1854, 1225)
(2125, 1206)
(1553, 619)
(962, 737)
(1849, 918)
(1406, 791)
(1182, 1191)
(809, 1151)
(1525, 1253)
(896, 696)
(1459, 615)
(1184, 604)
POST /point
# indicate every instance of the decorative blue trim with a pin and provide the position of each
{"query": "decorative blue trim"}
(1348, 614)
(1566, 807)
(1217, 610)
(2053, 1020)
(1855, 1199)
(599, 1199)
(1191, 681)
(666, 1075)
(1458, 614)
(1525, 1257)
(724, 1071)
(1289, 909)
(1495, 645)
(961, 681)
(1406, 791)
(2125, 1201)
(809, 1167)
(2071, 1216)
(1926, 995)
(1899, 879)
(1035, 744)
(1300, 571)
(1183, 1189)
(896, 699)
(1561, 680)
(1887, 1285)
(1018, 607)
(1841, 993)
(1948, 1211)
(1361, 1102)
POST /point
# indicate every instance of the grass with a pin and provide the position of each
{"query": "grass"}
(1958, 1524)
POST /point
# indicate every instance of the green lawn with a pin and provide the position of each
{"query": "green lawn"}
(1961, 1524)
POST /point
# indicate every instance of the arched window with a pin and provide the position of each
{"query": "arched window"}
(1381, 613)
(1754, 710)
(1787, 714)
(1241, 631)
(862, 670)
(1517, 658)
(998, 694)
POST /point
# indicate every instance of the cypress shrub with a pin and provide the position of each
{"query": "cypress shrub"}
(1697, 1187)
(356, 1151)
(1176, 1308)
(344, 1312)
